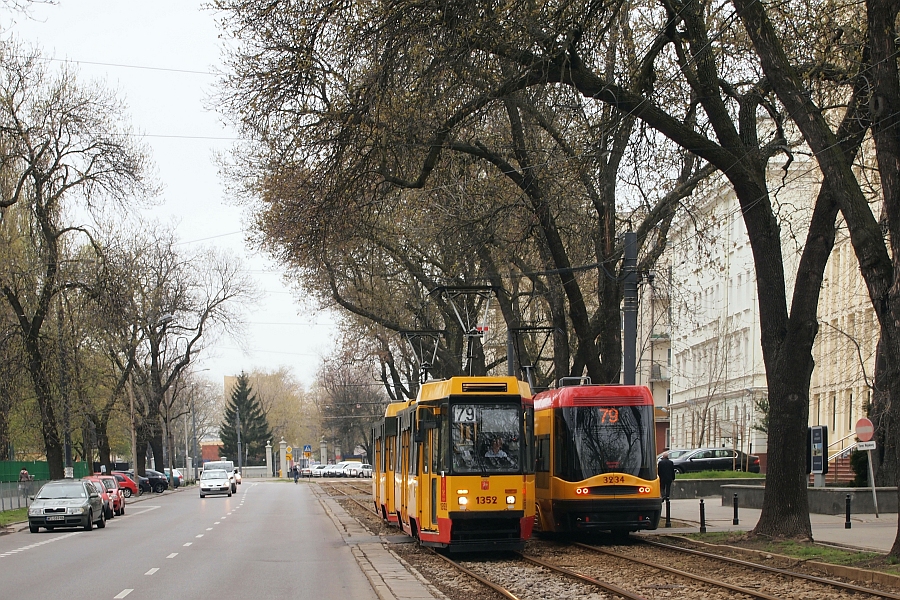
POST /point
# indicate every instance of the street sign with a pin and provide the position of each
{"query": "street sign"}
(866, 446)
(289, 450)
(307, 447)
(289, 456)
(864, 430)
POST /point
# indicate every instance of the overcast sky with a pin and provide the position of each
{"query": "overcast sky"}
(159, 56)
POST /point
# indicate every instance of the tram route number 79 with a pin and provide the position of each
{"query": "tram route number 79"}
(609, 415)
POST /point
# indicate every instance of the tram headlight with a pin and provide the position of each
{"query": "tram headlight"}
(463, 501)
(510, 499)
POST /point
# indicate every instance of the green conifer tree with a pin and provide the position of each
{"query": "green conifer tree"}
(255, 430)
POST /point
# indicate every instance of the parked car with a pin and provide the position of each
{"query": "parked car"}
(66, 503)
(105, 496)
(142, 482)
(126, 484)
(116, 497)
(713, 459)
(307, 471)
(177, 477)
(319, 470)
(358, 470)
(158, 481)
(215, 481)
(335, 470)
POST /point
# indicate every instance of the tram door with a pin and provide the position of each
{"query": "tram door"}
(430, 480)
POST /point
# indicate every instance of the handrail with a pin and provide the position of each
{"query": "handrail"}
(843, 449)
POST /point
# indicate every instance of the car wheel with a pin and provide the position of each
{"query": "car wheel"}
(233, 490)
(33, 528)
(90, 521)
(126, 492)
(102, 522)
(203, 495)
(159, 488)
(229, 494)
(678, 471)
(109, 513)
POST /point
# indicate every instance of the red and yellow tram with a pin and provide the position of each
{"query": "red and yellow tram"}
(596, 459)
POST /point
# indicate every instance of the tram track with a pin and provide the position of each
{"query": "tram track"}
(661, 571)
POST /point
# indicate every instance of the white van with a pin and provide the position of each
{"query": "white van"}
(225, 465)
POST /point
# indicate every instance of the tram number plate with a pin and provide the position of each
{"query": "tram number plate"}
(613, 479)
(443, 506)
(486, 500)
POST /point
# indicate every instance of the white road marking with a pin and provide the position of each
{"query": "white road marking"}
(152, 571)
(189, 543)
(199, 535)
(217, 522)
(209, 528)
(36, 544)
(123, 593)
(173, 555)
(142, 510)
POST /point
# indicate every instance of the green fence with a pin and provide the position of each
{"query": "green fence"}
(38, 469)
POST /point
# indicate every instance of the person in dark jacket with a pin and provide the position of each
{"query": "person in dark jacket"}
(666, 470)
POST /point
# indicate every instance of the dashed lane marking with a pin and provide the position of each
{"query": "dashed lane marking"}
(173, 555)
(217, 522)
(199, 535)
(123, 593)
(152, 571)
(188, 544)
(209, 528)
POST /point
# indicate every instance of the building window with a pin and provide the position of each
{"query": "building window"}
(850, 412)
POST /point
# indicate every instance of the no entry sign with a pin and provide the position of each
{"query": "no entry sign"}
(864, 430)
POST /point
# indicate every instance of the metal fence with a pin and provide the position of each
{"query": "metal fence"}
(18, 495)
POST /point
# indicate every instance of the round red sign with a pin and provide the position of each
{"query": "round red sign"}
(864, 430)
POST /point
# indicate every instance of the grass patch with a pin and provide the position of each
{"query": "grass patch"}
(803, 551)
(720, 475)
(16, 515)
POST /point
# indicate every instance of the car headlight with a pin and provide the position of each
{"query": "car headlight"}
(33, 512)
(77, 510)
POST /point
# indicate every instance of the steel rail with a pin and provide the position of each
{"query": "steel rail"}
(715, 582)
(496, 587)
(581, 577)
(786, 573)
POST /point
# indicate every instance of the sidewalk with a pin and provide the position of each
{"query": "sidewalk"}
(867, 532)
(390, 578)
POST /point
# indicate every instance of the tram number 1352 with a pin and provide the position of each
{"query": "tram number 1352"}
(486, 500)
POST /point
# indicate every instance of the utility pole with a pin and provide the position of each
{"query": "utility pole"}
(133, 432)
(630, 301)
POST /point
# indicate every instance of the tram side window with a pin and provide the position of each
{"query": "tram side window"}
(542, 464)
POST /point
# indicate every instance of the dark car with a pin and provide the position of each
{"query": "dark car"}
(142, 482)
(66, 503)
(713, 459)
(158, 481)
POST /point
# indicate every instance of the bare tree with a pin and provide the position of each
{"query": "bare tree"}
(62, 143)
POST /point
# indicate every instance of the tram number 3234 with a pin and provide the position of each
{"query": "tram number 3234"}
(486, 500)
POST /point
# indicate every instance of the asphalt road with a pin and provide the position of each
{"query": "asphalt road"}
(270, 540)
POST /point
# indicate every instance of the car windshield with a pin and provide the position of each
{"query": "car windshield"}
(485, 438)
(110, 485)
(214, 475)
(592, 440)
(62, 490)
(677, 453)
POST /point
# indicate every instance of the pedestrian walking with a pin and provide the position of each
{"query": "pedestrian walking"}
(25, 479)
(295, 471)
(666, 470)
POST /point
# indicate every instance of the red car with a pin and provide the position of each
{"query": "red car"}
(105, 496)
(117, 497)
(127, 484)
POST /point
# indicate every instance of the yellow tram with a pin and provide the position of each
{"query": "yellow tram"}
(596, 459)
(460, 458)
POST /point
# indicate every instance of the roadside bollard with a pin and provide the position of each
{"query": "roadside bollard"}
(735, 520)
(668, 520)
(847, 504)
(702, 516)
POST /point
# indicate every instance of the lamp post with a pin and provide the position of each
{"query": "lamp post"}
(240, 452)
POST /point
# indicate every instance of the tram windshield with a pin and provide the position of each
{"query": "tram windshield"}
(485, 438)
(604, 439)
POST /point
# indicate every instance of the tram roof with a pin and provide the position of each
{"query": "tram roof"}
(594, 395)
(466, 386)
